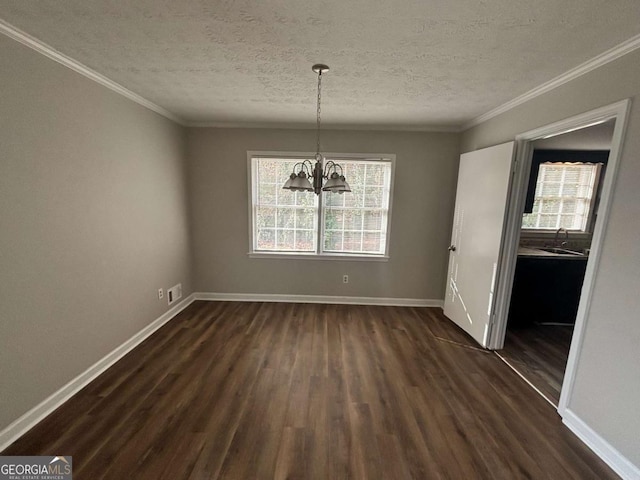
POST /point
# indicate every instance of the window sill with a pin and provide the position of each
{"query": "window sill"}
(324, 256)
(533, 233)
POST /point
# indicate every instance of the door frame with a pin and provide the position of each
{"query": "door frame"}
(522, 167)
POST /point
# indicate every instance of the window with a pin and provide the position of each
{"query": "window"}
(563, 197)
(332, 224)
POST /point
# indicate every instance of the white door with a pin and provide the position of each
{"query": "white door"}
(481, 202)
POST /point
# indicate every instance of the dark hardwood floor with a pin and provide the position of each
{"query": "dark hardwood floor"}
(266, 390)
(539, 353)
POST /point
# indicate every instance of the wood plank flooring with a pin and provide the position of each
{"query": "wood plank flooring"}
(267, 390)
(539, 353)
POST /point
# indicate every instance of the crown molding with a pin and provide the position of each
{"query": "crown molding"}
(308, 126)
(50, 52)
(610, 55)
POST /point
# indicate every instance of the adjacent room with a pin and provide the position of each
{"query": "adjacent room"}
(320, 240)
(564, 192)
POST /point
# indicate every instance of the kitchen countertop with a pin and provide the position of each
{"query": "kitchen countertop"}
(529, 252)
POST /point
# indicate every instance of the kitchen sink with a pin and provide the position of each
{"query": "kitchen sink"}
(560, 251)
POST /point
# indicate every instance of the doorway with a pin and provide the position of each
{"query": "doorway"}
(585, 246)
(561, 209)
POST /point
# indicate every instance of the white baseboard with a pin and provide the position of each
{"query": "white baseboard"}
(328, 299)
(27, 421)
(612, 457)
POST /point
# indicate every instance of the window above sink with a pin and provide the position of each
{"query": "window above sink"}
(564, 197)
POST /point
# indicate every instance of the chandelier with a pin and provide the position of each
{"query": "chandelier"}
(307, 177)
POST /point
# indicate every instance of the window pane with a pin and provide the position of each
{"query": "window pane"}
(569, 206)
(283, 169)
(265, 217)
(569, 222)
(334, 219)
(373, 197)
(550, 205)
(268, 172)
(352, 241)
(361, 225)
(563, 196)
(375, 175)
(305, 241)
(283, 220)
(333, 241)
(551, 173)
(304, 199)
(285, 239)
(353, 219)
(372, 242)
(529, 220)
(353, 222)
(266, 239)
(549, 189)
(570, 190)
(267, 193)
(305, 218)
(334, 199)
(355, 198)
(548, 221)
(285, 197)
(372, 220)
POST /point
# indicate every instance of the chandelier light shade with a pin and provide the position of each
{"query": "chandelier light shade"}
(307, 177)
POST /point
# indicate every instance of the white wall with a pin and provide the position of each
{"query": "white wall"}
(425, 178)
(607, 387)
(92, 222)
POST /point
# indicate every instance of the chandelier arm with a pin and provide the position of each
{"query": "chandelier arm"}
(309, 166)
(303, 166)
(337, 166)
(327, 168)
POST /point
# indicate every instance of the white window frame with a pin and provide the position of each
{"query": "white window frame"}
(319, 254)
(549, 232)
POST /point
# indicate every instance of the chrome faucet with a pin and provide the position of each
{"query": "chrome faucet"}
(566, 237)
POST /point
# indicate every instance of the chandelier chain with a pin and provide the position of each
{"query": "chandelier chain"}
(318, 112)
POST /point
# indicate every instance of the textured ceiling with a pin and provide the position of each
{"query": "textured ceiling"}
(396, 63)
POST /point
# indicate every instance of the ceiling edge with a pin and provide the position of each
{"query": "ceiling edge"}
(50, 52)
(610, 55)
(328, 126)
(41, 47)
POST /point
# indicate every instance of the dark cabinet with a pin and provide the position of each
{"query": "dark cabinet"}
(546, 289)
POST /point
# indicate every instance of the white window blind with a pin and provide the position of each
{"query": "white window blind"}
(354, 223)
(563, 197)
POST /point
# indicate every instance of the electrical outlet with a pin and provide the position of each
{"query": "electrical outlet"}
(160, 294)
(174, 293)
(345, 279)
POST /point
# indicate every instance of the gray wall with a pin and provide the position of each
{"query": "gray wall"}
(597, 137)
(607, 387)
(92, 222)
(425, 179)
